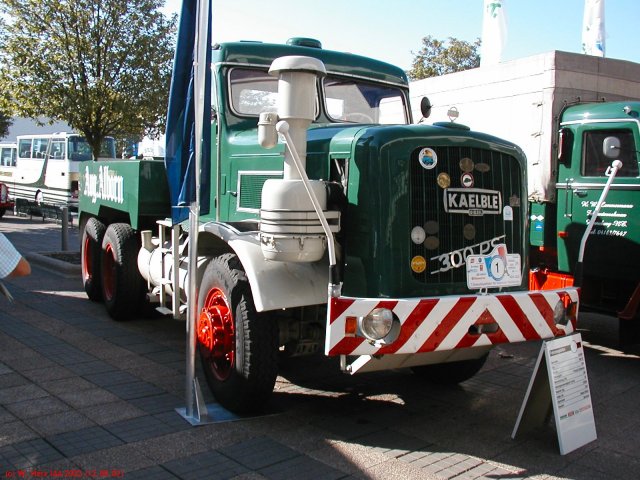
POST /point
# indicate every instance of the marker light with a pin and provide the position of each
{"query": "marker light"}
(377, 324)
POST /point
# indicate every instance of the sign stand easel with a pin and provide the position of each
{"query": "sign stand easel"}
(559, 384)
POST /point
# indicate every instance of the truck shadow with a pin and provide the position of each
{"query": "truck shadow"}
(467, 427)
(357, 422)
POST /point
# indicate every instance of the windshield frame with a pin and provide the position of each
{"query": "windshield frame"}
(322, 113)
(372, 114)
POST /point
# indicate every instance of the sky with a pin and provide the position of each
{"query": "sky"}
(391, 30)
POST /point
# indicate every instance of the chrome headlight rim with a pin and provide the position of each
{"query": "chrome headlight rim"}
(380, 326)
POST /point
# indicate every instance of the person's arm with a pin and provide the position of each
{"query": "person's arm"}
(22, 269)
(12, 263)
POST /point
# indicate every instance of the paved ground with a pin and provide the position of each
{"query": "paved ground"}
(82, 396)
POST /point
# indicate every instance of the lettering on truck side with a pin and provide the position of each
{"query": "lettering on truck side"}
(106, 185)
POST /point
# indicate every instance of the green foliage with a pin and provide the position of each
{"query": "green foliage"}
(436, 57)
(102, 66)
(5, 123)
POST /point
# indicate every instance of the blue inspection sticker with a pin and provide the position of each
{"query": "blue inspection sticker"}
(428, 158)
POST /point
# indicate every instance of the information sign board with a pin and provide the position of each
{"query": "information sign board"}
(560, 382)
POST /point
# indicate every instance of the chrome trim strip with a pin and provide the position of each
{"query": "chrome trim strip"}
(602, 120)
(597, 186)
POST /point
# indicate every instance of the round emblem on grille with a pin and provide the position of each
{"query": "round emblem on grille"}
(418, 264)
(469, 231)
(418, 235)
(444, 180)
(431, 227)
(466, 164)
(467, 180)
(431, 243)
(427, 158)
(482, 167)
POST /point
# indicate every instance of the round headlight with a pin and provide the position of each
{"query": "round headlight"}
(377, 324)
(559, 314)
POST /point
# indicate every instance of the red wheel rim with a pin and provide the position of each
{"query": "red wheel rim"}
(86, 259)
(216, 334)
(109, 272)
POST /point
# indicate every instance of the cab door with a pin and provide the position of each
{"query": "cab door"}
(612, 249)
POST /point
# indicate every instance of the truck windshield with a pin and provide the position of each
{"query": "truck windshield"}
(79, 149)
(349, 100)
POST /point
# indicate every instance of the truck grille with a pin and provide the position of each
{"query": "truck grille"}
(451, 237)
(250, 185)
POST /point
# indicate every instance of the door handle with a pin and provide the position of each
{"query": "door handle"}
(580, 193)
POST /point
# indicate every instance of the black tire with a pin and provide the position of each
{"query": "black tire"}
(90, 258)
(450, 373)
(240, 361)
(122, 284)
(2, 210)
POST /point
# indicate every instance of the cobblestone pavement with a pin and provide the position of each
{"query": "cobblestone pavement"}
(86, 397)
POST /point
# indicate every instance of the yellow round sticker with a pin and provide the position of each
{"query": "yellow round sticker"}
(418, 264)
(444, 180)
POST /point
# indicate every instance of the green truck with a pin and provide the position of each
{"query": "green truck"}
(573, 115)
(329, 222)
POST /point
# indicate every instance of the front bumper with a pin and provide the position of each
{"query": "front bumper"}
(452, 322)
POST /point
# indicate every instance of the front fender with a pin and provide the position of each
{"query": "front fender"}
(274, 285)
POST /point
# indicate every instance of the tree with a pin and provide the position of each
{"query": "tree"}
(102, 66)
(5, 123)
(437, 58)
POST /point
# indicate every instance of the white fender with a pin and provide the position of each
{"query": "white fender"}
(275, 285)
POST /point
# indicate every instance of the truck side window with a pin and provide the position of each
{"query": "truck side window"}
(594, 162)
(252, 91)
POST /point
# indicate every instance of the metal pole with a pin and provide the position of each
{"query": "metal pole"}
(192, 309)
(193, 396)
(579, 270)
(65, 229)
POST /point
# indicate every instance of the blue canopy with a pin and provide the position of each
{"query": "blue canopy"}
(180, 132)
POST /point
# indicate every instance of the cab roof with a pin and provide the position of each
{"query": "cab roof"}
(629, 110)
(258, 53)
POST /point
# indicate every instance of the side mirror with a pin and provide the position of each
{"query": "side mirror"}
(425, 107)
(611, 147)
(565, 147)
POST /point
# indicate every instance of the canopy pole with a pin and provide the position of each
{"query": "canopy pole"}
(196, 411)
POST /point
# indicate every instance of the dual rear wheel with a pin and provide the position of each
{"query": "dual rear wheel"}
(238, 347)
(109, 259)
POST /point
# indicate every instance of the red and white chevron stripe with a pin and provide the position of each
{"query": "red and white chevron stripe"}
(445, 323)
